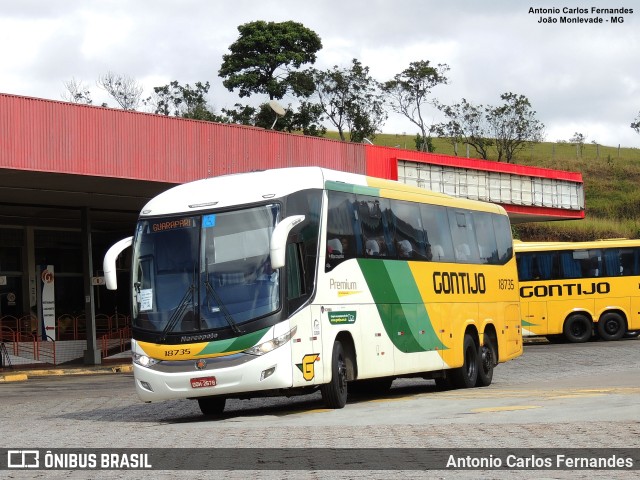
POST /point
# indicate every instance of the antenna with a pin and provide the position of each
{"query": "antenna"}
(278, 109)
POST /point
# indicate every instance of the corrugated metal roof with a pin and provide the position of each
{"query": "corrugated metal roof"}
(46, 135)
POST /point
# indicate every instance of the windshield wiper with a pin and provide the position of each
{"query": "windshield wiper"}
(178, 312)
(225, 313)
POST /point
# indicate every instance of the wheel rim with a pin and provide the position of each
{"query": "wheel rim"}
(611, 327)
(486, 358)
(578, 329)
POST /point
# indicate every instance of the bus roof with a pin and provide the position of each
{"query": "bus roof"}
(257, 186)
(594, 244)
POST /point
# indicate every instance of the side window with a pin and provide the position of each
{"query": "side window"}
(629, 261)
(570, 264)
(341, 237)
(525, 266)
(295, 271)
(376, 223)
(587, 264)
(435, 222)
(487, 246)
(463, 236)
(537, 266)
(545, 265)
(614, 262)
(307, 203)
(409, 236)
(504, 240)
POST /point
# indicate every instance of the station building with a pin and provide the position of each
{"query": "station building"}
(73, 179)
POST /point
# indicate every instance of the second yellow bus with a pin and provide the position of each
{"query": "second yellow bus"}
(575, 290)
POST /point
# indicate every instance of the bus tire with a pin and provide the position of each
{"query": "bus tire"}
(334, 393)
(466, 376)
(486, 362)
(578, 328)
(611, 326)
(211, 405)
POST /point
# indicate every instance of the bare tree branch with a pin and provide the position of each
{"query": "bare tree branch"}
(124, 90)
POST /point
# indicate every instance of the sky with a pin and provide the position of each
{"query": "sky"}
(579, 77)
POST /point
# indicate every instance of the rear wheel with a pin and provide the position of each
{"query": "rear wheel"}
(486, 363)
(212, 405)
(611, 326)
(466, 376)
(578, 328)
(334, 393)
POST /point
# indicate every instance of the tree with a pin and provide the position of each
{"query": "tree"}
(578, 140)
(76, 92)
(351, 100)
(183, 101)
(636, 123)
(467, 124)
(409, 91)
(265, 59)
(124, 90)
(513, 125)
(307, 119)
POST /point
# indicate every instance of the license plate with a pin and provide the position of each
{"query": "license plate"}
(203, 382)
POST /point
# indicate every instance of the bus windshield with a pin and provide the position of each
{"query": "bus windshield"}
(206, 272)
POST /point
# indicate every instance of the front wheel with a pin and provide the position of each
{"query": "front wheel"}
(578, 328)
(334, 393)
(466, 376)
(211, 405)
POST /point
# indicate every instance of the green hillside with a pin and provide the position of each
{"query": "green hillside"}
(611, 179)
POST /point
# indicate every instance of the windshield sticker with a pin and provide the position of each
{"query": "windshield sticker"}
(208, 221)
(341, 318)
(146, 299)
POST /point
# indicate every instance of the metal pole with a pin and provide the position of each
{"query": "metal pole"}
(92, 355)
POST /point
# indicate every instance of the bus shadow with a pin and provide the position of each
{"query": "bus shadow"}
(187, 411)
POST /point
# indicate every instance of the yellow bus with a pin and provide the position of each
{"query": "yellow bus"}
(289, 281)
(573, 290)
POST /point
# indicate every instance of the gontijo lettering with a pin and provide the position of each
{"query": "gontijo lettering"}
(564, 289)
(458, 282)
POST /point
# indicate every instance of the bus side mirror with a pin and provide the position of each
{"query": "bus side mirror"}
(109, 263)
(279, 239)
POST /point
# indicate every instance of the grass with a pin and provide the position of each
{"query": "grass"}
(611, 178)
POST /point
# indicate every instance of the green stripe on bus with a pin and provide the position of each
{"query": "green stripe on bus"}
(400, 305)
(234, 344)
(350, 188)
(528, 324)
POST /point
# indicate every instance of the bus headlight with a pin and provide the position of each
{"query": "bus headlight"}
(270, 345)
(143, 360)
